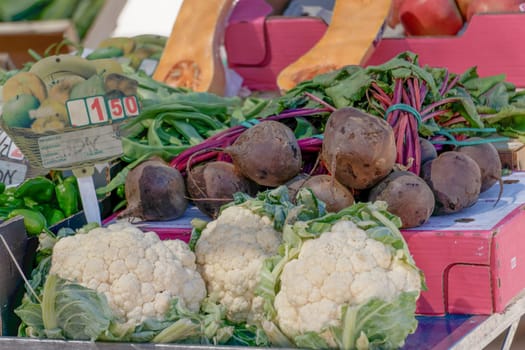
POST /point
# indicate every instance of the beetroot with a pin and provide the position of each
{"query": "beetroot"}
(213, 184)
(455, 179)
(330, 191)
(267, 153)
(295, 184)
(407, 195)
(155, 191)
(428, 151)
(488, 160)
(359, 149)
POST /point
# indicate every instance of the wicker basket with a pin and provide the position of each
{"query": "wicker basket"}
(28, 142)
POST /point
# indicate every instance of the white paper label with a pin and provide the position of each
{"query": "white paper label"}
(148, 66)
(12, 173)
(88, 145)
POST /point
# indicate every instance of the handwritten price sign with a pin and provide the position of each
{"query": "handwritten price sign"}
(78, 147)
(99, 110)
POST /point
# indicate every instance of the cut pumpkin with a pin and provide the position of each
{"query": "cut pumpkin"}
(191, 57)
(354, 26)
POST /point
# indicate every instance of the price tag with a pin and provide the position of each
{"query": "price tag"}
(12, 173)
(148, 65)
(99, 110)
(78, 147)
(131, 106)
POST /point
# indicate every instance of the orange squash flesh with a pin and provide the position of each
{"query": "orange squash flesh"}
(354, 26)
(191, 57)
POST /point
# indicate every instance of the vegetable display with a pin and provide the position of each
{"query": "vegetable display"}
(306, 193)
(118, 284)
(427, 110)
(341, 280)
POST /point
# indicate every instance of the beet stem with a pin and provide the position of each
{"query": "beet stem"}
(320, 101)
(437, 104)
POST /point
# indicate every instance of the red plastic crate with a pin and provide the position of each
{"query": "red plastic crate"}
(492, 42)
(474, 260)
(259, 46)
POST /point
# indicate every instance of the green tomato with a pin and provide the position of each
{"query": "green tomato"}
(15, 112)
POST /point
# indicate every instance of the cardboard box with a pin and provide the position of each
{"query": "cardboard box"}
(259, 46)
(511, 154)
(492, 42)
(16, 38)
(474, 260)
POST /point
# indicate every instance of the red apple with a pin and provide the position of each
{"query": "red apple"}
(492, 6)
(430, 17)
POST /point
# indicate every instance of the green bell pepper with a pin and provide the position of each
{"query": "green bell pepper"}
(67, 195)
(39, 188)
(34, 221)
(52, 215)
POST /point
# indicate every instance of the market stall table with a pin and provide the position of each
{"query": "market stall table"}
(454, 332)
(443, 329)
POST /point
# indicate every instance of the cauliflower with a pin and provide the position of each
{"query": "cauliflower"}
(137, 272)
(342, 280)
(230, 253)
(342, 267)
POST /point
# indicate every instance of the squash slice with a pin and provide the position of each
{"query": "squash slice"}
(191, 56)
(354, 26)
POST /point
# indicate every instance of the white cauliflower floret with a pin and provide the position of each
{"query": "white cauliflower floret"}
(230, 254)
(137, 272)
(180, 249)
(343, 266)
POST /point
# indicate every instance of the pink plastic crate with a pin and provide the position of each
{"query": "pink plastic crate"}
(259, 46)
(492, 42)
(473, 261)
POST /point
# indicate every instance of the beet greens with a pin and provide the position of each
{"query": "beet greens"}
(416, 101)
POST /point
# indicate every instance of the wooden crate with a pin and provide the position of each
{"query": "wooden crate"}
(16, 38)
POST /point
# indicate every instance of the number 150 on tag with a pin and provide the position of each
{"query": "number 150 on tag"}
(98, 110)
